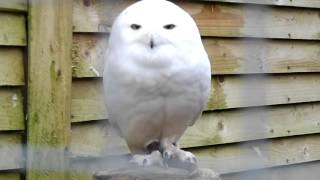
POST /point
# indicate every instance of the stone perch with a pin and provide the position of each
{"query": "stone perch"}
(155, 173)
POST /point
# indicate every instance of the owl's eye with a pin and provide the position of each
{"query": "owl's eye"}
(169, 26)
(135, 26)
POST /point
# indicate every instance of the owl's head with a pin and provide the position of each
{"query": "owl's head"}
(154, 26)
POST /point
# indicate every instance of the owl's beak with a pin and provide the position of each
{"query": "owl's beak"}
(151, 43)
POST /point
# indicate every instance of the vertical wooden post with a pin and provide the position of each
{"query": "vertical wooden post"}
(49, 84)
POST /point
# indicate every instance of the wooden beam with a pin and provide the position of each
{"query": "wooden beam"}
(308, 171)
(49, 90)
(213, 19)
(11, 66)
(11, 109)
(227, 55)
(11, 151)
(14, 5)
(296, 3)
(12, 29)
(159, 173)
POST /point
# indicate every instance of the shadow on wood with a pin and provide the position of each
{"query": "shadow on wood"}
(155, 173)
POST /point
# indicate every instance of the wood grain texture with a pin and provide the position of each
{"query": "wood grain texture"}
(227, 92)
(247, 91)
(9, 176)
(11, 109)
(309, 171)
(14, 5)
(232, 158)
(158, 173)
(11, 66)
(261, 154)
(88, 55)
(98, 15)
(247, 56)
(11, 155)
(95, 138)
(295, 3)
(12, 29)
(222, 127)
(227, 55)
(213, 19)
(49, 97)
(87, 100)
(226, 20)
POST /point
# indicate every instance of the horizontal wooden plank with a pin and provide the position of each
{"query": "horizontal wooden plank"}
(9, 176)
(227, 92)
(11, 66)
(213, 19)
(94, 139)
(12, 29)
(233, 157)
(228, 56)
(238, 125)
(11, 155)
(247, 91)
(309, 171)
(87, 102)
(244, 56)
(295, 3)
(261, 154)
(83, 169)
(11, 109)
(14, 5)
(88, 54)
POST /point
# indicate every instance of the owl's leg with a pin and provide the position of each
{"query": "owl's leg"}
(152, 158)
(175, 157)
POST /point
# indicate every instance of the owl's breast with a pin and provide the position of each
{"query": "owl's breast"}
(168, 72)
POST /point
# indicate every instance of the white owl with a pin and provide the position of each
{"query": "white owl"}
(156, 80)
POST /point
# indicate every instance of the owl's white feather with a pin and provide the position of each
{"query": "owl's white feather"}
(157, 73)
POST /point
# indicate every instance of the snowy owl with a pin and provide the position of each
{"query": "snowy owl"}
(156, 80)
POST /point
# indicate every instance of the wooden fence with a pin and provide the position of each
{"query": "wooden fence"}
(13, 41)
(261, 122)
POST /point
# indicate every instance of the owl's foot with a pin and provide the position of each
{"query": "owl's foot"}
(176, 157)
(145, 160)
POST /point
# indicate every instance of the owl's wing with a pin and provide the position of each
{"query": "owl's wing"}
(204, 87)
(203, 99)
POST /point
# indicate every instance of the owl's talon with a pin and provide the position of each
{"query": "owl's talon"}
(145, 160)
(175, 157)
